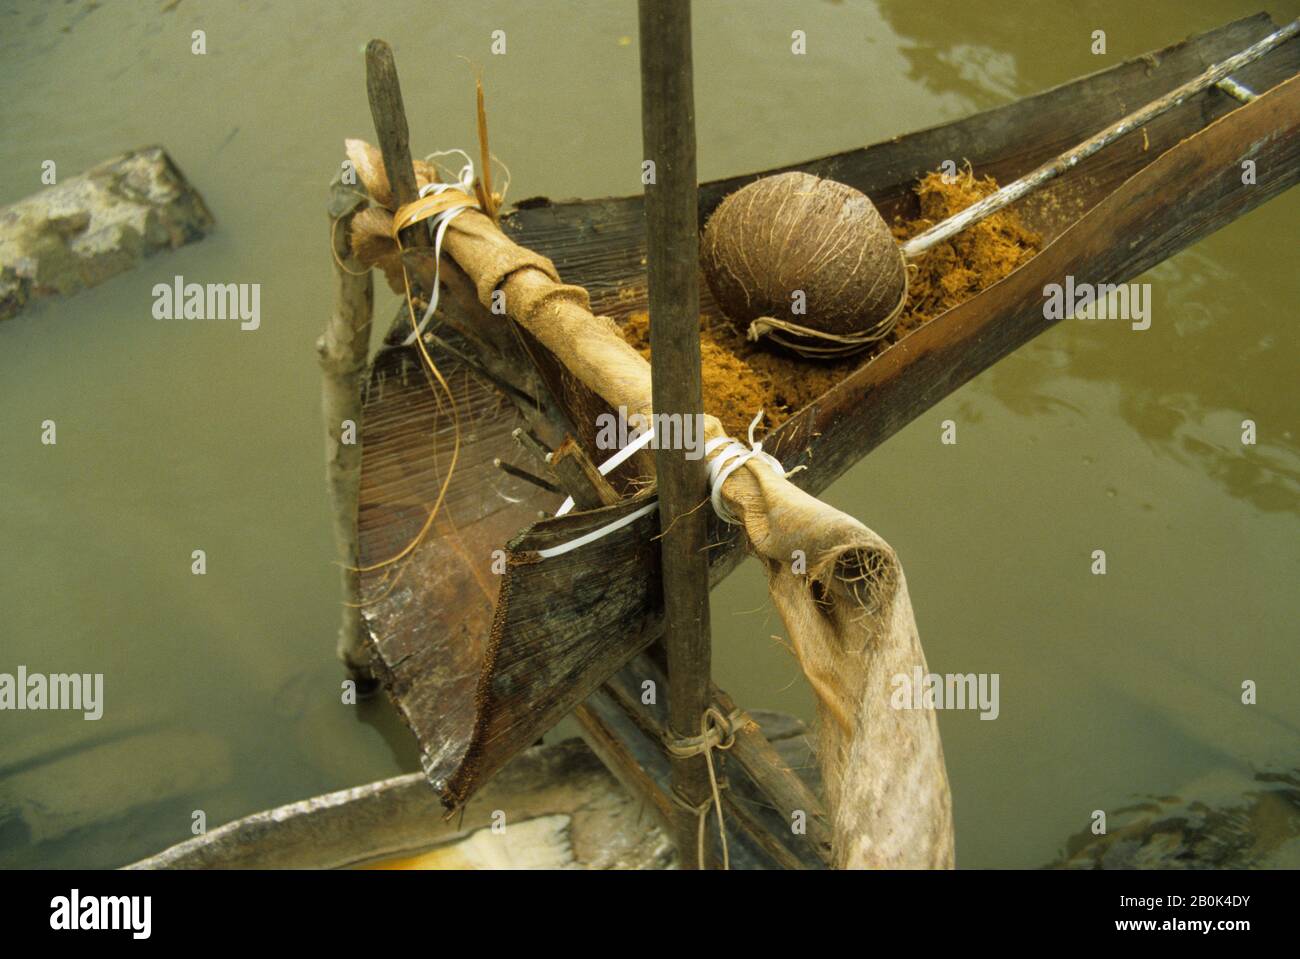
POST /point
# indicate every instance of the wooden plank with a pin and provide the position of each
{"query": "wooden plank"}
(630, 757)
(579, 475)
(740, 813)
(778, 783)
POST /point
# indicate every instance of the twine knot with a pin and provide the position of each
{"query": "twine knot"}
(716, 732)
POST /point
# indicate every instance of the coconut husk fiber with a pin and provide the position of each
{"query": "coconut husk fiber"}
(849, 616)
(953, 271)
(805, 261)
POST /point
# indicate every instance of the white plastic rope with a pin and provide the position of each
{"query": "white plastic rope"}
(733, 456)
(596, 534)
(439, 222)
(605, 468)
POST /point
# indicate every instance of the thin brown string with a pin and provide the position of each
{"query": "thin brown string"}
(430, 368)
(801, 337)
(716, 732)
(334, 226)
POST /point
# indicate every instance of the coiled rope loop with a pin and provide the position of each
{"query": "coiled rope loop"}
(733, 456)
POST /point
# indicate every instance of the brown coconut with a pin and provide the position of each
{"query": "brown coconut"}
(793, 232)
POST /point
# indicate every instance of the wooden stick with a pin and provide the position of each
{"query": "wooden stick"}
(479, 363)
(1053, 168)
(1238, 91)
(757, 782)
(778, 782)
(672, 256)
(523, 474)
(578, 473)
(389, 115)
(634, 754)
(741, 815)
(531, 444)
(629, 757)
(342, 350)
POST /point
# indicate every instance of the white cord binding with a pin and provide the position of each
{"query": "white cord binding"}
(439, 222)
(734, 455)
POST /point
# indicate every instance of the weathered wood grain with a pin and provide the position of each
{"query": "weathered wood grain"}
(391, 129)
(579, 474)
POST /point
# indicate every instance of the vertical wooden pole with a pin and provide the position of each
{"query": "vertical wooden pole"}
(672, 230)
(389, 116)
(342, 350)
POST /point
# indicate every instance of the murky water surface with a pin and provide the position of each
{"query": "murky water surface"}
(222, 691)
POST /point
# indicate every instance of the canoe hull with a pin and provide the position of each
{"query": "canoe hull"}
(528, 646)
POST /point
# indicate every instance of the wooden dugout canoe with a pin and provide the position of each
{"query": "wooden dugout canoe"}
(481, 664)
(392, 822)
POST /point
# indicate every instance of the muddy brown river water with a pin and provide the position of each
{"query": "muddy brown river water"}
(221, 691)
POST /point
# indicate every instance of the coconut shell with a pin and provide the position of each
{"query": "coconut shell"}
(795, 231)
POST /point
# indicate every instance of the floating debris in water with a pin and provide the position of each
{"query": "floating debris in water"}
(973, 260)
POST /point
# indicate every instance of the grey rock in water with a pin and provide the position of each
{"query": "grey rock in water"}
(1227, 826)
(90, 227)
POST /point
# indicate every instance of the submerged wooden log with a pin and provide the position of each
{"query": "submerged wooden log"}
(401, 817)
(91, 227)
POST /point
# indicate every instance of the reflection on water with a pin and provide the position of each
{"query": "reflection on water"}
(1216, 362)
